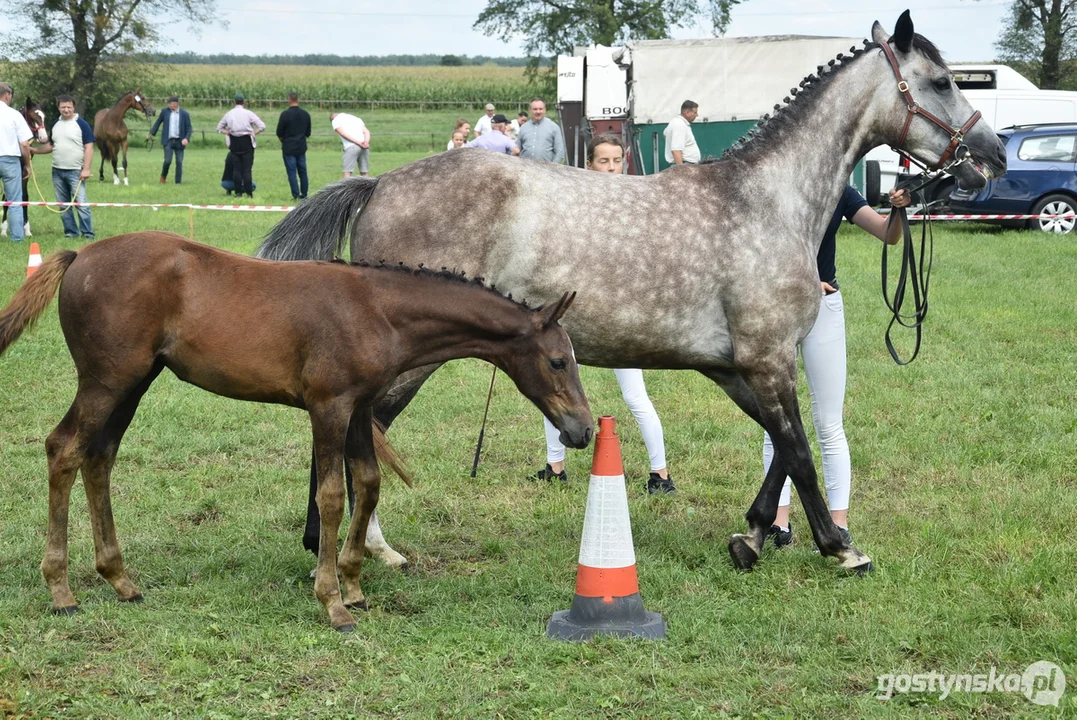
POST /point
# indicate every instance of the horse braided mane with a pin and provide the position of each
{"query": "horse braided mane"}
(801, 99)
(443, 275)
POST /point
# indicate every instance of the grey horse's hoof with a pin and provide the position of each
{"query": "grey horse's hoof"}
(744, 557)
(69, 610)
(404, 567)
(345, 628)
(133, 599)
(361, 605)
(865, 569)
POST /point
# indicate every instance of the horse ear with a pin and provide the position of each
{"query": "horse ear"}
(29, 102)
(558, 311)
(878, 34)
(902, 37)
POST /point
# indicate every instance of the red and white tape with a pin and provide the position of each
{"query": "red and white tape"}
(1045, 216)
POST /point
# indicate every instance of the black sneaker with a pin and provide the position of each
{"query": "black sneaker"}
(782, 538)
(658, 484)
(549, 475)
(845, 535)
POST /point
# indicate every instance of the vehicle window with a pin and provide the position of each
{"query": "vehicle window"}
(1048, 148)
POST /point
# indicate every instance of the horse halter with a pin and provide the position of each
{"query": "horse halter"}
(956, 136)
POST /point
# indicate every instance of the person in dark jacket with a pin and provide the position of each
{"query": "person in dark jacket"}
(226, 179)
(293, 129)
(176, 136)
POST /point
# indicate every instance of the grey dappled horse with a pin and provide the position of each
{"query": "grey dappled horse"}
(710, 268)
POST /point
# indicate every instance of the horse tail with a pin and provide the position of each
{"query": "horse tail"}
(387, 454)
(103, 146)
(33, 297)
(318, 228)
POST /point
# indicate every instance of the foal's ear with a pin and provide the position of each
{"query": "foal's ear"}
(555, 313)
(29, 103)
(903, 31)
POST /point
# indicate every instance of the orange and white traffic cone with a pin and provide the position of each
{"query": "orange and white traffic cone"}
(607, 599)
(35, 259)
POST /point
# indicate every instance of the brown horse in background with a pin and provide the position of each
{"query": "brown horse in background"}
(328, 338)
(110, 131)
(35, 119)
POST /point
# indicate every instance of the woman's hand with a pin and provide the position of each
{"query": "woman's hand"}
(900, 198)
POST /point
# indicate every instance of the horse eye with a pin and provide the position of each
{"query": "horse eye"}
(942, 84)
(558, 364)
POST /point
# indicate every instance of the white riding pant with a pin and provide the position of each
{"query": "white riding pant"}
(823, 352)
(634, 393)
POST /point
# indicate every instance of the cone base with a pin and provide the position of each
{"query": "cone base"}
(623, 617)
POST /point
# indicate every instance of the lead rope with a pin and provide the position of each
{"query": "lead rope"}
(918, 273)
(70, 204)
(482, 430)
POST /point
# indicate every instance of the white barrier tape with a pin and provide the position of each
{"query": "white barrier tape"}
(155, 206)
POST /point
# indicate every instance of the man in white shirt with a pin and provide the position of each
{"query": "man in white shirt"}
(484, 124)
(681, 148)
(14, 158)
(353, 131)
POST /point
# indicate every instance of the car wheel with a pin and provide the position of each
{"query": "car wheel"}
(873, 182)
(1055, 205)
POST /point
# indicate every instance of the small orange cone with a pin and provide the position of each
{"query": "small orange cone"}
(607, 599)
(35, 259)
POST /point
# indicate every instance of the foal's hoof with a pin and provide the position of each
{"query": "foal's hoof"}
(403, 567)
(361, 605)
(69, 610)
(744, 557)
(345, 628)
(133, 599)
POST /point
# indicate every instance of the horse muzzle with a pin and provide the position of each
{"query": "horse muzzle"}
(576, 434)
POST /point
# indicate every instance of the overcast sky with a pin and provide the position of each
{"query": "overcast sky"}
(965, 30)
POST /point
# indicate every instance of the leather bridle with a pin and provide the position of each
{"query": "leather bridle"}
(956, 136)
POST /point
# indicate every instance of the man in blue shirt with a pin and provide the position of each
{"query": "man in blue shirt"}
(541, 138)
(175, 137)
(496, 139)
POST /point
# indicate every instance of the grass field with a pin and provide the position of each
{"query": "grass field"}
(964, 494)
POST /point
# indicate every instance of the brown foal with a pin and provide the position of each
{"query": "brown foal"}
(329, 338)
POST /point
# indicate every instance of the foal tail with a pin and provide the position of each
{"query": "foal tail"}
(318, 228)
(387, 454)
(33, 297)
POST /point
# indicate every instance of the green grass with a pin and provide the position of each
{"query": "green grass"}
(963, 494)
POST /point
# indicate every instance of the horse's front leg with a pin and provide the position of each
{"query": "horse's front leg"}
(745, 549)
(330, 426)
(400, 394)
(772, 381)
(360, 456)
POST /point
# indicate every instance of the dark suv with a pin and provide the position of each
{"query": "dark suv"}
(1041, 178)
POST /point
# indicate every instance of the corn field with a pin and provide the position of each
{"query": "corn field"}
(347, 86)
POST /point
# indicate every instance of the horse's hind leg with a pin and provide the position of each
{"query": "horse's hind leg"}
(361, 459)
(400, 394)
(125, 162)
(66, 448)
(96, 476)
